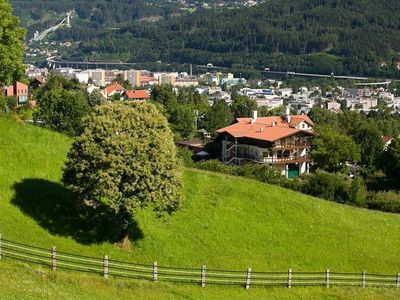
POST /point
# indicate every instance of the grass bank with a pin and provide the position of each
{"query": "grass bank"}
(225, 222)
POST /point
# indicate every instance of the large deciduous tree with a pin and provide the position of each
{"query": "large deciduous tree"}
(163, 94)
(125, 160)
(242, 106)
(391, 162)
(182, 120)
(331, 150)
(219, 116)
(371, 144)
(62, 104)
(96, 98)
(11, 45)
(62, 110)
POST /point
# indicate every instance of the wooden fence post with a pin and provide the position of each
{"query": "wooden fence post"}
(248, 278)
(327, 278)
(364, 278)
(105, 266)
(203, 276)
(289, 281)
(155, 271)
(398, 280)
(1, 253)
(53, 258)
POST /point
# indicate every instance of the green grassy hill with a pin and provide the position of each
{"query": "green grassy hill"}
(225, 222)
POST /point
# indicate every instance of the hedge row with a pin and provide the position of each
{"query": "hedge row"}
(330, 186)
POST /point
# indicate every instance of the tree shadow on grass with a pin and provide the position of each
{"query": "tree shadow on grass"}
(53, 207)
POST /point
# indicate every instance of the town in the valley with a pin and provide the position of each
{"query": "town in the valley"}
(282, 140)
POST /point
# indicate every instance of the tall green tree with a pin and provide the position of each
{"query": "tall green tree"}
(182, 120)
(323, 117)
(219, 116)
(242, 106)
(11, 45)
(97, 98)
(62, 104)
(163, 94)
(62, 110)
(369, 138)
(391, 162)
(331, 150)
(125, 160)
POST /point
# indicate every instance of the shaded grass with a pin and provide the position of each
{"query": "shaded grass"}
(52, 206)
(225, 222)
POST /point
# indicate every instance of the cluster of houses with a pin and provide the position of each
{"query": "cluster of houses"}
(280, 141)
(137, 78)
(303, 100)
(215, 86)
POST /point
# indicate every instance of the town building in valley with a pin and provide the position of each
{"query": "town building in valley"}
(18, 90)
(280, 141)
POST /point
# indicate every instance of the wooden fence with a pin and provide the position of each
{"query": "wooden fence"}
(106, 267)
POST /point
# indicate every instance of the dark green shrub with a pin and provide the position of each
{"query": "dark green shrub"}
(217, 166)
(384, 201)
(185, 156)
(358, 192)
(333, 187)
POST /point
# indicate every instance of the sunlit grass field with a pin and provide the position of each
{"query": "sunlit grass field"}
(225, 222)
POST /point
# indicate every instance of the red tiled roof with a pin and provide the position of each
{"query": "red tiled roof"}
(137, 94)
(296, 120)
(266, 128)
(114, 87)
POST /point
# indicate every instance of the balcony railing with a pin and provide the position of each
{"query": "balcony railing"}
(271, 160)
(287, 160)
(292, 146)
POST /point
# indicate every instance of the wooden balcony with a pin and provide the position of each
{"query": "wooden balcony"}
(287, 160)
(272, 160)
(292, 146)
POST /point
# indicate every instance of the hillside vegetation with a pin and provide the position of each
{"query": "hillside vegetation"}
(344, 37)
(225, 222)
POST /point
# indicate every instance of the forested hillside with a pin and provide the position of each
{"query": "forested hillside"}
(92, 17)
(341, 36)
(316, 36)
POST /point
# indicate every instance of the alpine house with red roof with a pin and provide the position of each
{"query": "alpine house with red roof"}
(280, 141)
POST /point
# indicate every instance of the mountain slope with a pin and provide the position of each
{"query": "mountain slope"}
(344, 37)
(359, 37)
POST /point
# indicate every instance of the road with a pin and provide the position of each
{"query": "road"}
(386, 81)
(67, 63)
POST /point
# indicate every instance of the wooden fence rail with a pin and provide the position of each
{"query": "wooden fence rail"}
(106, 267)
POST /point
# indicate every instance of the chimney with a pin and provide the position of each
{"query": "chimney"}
(287, 114)
(254, 117)
(191, 70)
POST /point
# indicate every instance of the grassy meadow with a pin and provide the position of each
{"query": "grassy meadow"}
(225, 222)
